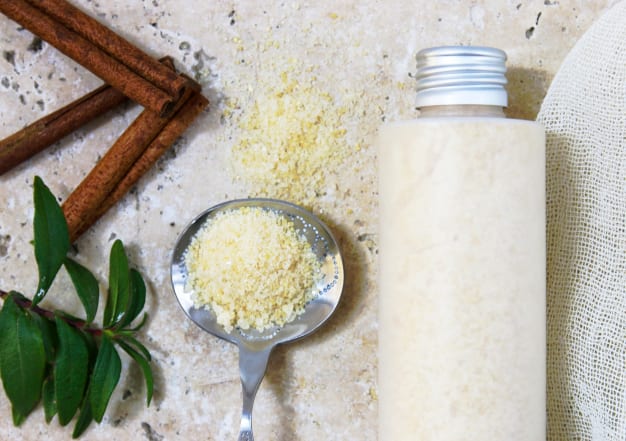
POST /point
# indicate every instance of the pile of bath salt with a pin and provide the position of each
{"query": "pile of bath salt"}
(252, 268)
(292, 140)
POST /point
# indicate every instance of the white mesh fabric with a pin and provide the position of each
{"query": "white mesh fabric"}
(584, 114)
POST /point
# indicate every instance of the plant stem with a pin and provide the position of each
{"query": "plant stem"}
(77, 323)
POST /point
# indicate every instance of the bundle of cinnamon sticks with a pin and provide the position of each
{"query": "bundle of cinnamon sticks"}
(171, 103)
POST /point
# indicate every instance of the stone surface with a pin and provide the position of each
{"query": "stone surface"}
(361, 53)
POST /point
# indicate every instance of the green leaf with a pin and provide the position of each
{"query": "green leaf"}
(85, 417)
(49, 335)
(128, 338)
(86, 287)
(119, 285)
(52, 241)
(49, 405)
(144, 365)
(144, 318)
(106, 374)
(136, 301)
(70, 371)
(92, 348)
(22, 358)
(18, 418)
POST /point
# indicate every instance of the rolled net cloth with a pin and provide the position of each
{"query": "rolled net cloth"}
(584, 114)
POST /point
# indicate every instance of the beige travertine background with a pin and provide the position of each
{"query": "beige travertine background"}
(362, 54)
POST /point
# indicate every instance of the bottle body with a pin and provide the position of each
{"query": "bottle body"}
(462, 280)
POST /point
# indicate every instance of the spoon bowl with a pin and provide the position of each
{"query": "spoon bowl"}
(256, 346)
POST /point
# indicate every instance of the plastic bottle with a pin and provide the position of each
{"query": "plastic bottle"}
(462, 260)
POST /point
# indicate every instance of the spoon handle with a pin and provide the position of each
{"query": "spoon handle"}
(252, 366)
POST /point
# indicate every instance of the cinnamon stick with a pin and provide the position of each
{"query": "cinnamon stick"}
(170, 133)
(90, 56)
(113, 166)
(51, 128)
(113, 44)
(94, 188)
(131, 72)
(35, 137)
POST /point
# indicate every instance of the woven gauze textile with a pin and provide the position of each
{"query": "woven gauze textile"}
(584, 114)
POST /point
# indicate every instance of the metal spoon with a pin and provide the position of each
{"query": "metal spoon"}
(255, 347)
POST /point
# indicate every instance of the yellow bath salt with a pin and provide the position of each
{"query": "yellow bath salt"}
(252, 268)
(292, 139)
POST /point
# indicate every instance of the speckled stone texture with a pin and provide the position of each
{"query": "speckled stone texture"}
(362, 53)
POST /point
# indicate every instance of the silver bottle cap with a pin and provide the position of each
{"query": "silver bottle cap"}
(457, 75)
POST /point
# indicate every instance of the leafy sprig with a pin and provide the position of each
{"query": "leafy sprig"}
(66, 362)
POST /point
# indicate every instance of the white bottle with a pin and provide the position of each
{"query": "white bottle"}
(462, 260)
